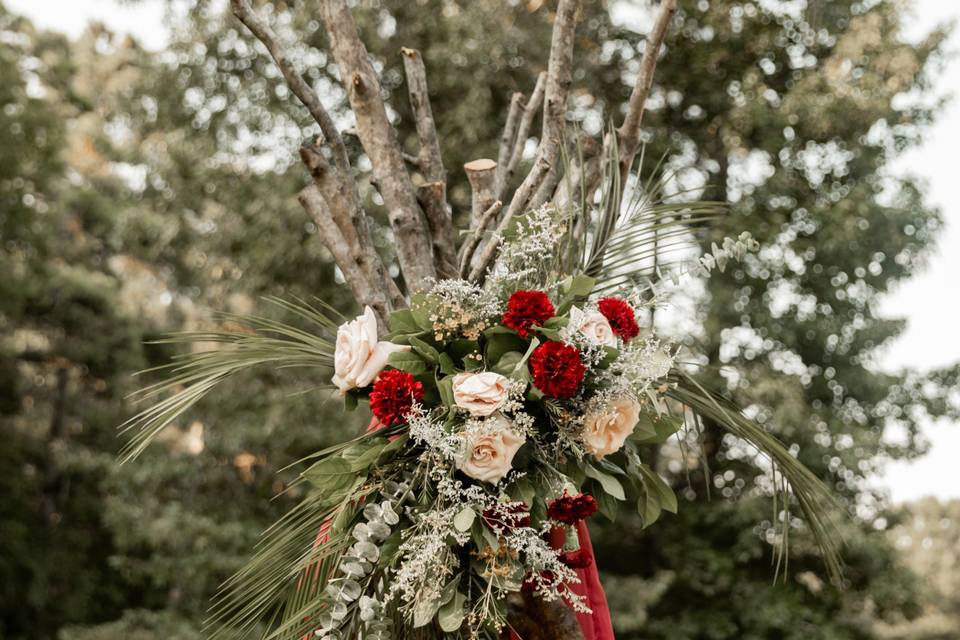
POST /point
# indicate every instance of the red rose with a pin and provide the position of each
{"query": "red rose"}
(506, 517)
(621, 316)
(393, 395)
(579, 559)
(571, 509)
(526, 309)
(557, 369)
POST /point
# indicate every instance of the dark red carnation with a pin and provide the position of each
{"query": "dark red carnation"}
(584, 505)
(562, 509)
(557, 369)
(506, 517)
(570, 509)
(620, 315)
(579, 559)
(393, 395)
(526, 309)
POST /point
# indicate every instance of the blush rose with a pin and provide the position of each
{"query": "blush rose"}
(606, 429)
(489, 454)
(359, 355)
(481, 394)
(594, 326)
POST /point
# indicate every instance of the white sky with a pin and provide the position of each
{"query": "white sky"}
(930, 301)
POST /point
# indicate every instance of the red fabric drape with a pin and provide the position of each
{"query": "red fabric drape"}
(596, 625)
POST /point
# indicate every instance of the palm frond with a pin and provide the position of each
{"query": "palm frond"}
(625, 240)
(817, 505)
(191, 376)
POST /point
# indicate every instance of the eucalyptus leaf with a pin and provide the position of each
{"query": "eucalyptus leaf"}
(463, 520)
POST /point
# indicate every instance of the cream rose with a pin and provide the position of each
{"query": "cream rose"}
(359, 356)
(489, 454)
(605, 430)
(480, 394)
(594, 326)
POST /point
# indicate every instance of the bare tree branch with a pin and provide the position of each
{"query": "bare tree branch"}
(304, 92)
(431, 162)
(345, 209)
(508, 137)
(523, 132)
(473, 240)
(628, 135)
(380, 142)
(559, 77)
(432, 197)
(342, 252)
(482, 175)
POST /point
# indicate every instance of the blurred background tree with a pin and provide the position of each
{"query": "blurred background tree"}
(143, 190)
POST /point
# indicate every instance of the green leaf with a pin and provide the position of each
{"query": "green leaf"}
(427, 351)
(451, 614)
(363, 455)
(607, 506)
(653, 429)
(508, 362)
(648, 506)
(463, 520)
(500, 343)
(445, 387)
(349, 401)
(407, 361)
(578, 286)
(423, 611)
(402, 321)
(446, 365)
(610, 484)
(653, 483)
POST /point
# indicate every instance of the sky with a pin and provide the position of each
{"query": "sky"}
(930, 301)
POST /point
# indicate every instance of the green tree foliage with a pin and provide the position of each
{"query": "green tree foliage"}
(142, 190)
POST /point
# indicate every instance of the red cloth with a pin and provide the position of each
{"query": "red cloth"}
(596, 625)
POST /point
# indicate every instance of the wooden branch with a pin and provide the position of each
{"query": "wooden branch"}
(482, 175)
(523, 132)
(304, 92)
(628, 134)
(344, 206)
(486, 255)
(473, 240)
(430, 160)
(379, 140)
(559, 77)
(507, 139)
(432, 197)
(342, 252)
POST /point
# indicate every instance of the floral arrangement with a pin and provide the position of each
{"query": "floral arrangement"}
(503, 416)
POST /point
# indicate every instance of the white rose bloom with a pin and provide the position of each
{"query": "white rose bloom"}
(359, 356)
(489, 454)
(594, 326)
(481, 394)
(605, 430)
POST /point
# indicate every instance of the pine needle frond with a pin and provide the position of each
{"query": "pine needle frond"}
(817, 504)
(191, 376)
